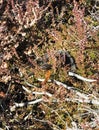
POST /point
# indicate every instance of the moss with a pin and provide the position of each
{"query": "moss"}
(92, 55)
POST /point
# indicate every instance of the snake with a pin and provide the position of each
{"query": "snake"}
(62, 57)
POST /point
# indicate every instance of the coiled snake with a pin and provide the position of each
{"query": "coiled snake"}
(62, 57)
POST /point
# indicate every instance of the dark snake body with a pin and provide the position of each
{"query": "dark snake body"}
(63, 58)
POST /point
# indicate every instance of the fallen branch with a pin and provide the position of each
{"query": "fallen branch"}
(79, 100)
(81, 78)
(25, 103)
(37, 93)
(78, 96)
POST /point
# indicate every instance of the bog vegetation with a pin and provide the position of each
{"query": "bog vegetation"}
(49, 64)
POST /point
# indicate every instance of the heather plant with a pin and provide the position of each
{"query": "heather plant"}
(81, 29)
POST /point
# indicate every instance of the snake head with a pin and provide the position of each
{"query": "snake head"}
(46, 66)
